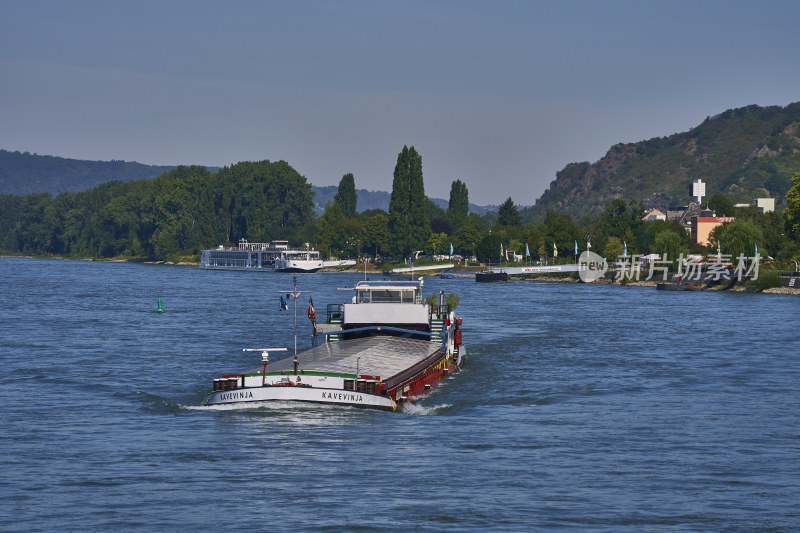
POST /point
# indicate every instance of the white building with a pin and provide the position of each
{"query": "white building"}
(765, 205)
(698, 190)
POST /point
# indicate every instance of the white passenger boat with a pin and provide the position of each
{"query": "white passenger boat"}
(385, 348)
(275, 256)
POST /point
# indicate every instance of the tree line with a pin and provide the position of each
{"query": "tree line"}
(186, 209)
(190, 208)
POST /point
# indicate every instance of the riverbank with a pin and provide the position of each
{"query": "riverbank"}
(371, 269)
(781, 290)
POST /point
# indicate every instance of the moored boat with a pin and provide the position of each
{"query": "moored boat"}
(677, 286)
(276, 256)
(491, 276)
(385, 348)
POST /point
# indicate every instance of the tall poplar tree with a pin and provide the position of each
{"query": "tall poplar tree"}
(409, 227)
(346, 196)
(458, 207)
(398, 207)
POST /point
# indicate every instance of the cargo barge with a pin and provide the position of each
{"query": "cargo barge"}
(385, 348)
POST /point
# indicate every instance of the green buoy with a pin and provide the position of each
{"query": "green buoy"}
(159, 306)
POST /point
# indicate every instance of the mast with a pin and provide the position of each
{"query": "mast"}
(295, 293)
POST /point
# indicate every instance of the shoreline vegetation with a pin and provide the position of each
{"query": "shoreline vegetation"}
(372, 269)
(171, 218)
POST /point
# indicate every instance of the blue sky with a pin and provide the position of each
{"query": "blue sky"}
(498, 94)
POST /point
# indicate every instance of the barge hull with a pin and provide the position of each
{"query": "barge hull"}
(300, 394)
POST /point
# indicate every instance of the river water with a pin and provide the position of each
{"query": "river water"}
(581, 407)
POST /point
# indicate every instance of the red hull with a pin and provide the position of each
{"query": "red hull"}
(421, 379)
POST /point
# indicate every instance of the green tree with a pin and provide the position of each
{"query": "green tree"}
(668, 242)
(721, 205)
(346, 196)
(376, 233)
(440, 222)
(739, 237)
(622, 220)
(331, 232)
(508, 214)
(466, 240)
(649, 230)
(353, 233)
(452, 300)
(437, 244)
(516, 246)
(534, 239)
(613, 248)
(488, 249)
(264, 200)
(458, 206)
(409, 226)
(792, 212)
(561, 230)
(477, 222)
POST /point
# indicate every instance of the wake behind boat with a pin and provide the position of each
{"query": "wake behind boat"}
(385, 348)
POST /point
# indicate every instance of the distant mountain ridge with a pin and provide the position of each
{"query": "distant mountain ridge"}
(26, 173)
(744, 153)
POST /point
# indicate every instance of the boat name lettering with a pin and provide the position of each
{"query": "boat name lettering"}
(241, 395)
(342, 396)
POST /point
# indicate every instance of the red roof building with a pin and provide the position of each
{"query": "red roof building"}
(702, 226)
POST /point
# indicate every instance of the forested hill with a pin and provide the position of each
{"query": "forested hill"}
(743, 153)
(26, 173)
(188, 208)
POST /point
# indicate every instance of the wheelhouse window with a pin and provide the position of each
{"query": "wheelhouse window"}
(386, 296)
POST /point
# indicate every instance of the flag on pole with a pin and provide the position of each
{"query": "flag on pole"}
(311, 314)
(527, 251)
(451, 248)
(625, 251)
(555, 250)
(576, 248)
(756, 250)
(284, 305)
